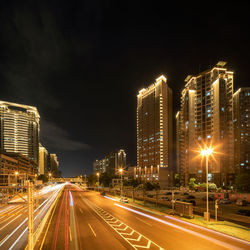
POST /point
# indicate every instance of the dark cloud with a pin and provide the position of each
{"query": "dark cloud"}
(56, 138)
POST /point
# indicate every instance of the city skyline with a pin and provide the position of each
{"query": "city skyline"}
(83, 76)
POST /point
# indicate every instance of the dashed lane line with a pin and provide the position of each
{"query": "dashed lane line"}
(130, 235)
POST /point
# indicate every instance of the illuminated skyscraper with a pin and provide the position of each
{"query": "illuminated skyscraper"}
(111, 163)
(19, 129)
(155, 133)
(206, 119)
(43, 160)
(242, 129)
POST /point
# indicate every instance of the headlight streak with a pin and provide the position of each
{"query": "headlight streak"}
(179, 227)
(109, 198)
(47, 200)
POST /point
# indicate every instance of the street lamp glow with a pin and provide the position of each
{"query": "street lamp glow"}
(16, 173)
(97, 174)
(206, 151)
(120, 170)
(49, 174)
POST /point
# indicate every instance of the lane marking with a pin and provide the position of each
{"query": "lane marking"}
(217, 242)
(10, 222)
(48, 225)
(143, 221)
(92, 230)
(122, 229)
(4, 238)
(70, 235)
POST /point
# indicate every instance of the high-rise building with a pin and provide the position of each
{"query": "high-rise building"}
(155, 133)
(111, 163)
(242, 129)
(178, 142)
(43, 160)
(53, 165)
(19, 129)
(206, 119)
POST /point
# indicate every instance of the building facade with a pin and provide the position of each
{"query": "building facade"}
(241, 122)
(19, 129)
(206, 119)
(43, 160)
(155, 134)
(111, 163)
(15, 166)
(54, 165)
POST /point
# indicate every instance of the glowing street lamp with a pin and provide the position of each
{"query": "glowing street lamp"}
(98, 175)
(206, 152)
(49, 176)
(121, 170)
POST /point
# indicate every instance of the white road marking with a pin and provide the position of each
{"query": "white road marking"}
(92, 230)
(143, 221)
(130, 235)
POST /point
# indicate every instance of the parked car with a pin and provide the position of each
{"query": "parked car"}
(165, 198)
(150, 196)
(124, 199)
(225, 201)
(241, 202)
(244, 212)
(190, 197)
(103, 193)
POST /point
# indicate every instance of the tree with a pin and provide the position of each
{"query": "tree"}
(192, 184)
(92, 179)
(105, 179)
(242, 182)
(177, 180)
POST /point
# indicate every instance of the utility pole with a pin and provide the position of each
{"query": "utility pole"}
(216, 207)
(30, 215)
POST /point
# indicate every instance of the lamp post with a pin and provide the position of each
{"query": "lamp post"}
(98, 175)
(121, 170)
(207, 152)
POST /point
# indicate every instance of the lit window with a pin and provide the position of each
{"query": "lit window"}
(242, 164)
(209, 136)
(208, 115)
(222, 109)
(208, 93)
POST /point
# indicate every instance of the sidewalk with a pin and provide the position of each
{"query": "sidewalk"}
(226, 227)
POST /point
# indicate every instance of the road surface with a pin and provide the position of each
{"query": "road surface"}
(87, 220)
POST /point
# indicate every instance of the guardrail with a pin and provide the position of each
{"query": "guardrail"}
(40, 227)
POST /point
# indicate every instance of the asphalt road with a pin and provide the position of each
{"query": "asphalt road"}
(13, 219)
(87, 220)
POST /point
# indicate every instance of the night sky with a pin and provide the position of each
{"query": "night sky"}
(82, 63)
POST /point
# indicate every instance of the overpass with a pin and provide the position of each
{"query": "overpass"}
(73, 179)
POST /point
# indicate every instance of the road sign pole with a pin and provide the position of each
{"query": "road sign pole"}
(30, 215)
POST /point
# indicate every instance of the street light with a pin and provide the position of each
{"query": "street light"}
(206, 152)
(49, 176)
(121, 170)
(98, 174)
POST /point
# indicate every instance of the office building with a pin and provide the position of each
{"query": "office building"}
(206, 119)
(15, 166)
(43, 160)
(54, 165)
(178, 142)
(111, 163)
(155, 133)
(241, 122)
(19, 129)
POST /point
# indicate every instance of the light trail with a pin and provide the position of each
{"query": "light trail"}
(48, 200)
(107, 197)
(218, 242)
